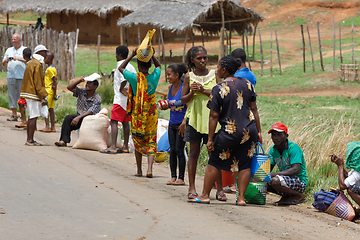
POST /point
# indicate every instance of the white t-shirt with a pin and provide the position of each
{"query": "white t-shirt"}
(120, 98)
(15, 69)
(353, 177)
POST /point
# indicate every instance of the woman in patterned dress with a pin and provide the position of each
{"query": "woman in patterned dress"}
(141, 106)
(232, 103)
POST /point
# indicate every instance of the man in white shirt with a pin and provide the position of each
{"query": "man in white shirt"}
(15, 63)
(118, 112)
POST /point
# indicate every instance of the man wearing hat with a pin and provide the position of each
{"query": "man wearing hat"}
(88, 103)
(350, 180)
(291, 180)
(33, 90)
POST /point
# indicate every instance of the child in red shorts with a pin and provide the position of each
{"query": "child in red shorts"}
(118, 112)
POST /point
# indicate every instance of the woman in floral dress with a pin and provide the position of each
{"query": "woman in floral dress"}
(233, 104)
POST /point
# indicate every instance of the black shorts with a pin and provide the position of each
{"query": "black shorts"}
(193, 136)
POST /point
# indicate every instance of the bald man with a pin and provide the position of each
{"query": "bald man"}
(15, 63)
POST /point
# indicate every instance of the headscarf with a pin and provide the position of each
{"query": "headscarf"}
(353, 156)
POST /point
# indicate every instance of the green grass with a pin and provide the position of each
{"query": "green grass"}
(274, 24)
(300, 21)
(27, 16)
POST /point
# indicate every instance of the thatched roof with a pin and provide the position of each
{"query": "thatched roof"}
(98, 7)
(179, 15)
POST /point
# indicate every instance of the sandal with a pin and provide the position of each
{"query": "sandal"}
(192, 195)
(221, 197)
(197, 200)
(179, 182)
(149, 175)
(108, 151)
(34, 143)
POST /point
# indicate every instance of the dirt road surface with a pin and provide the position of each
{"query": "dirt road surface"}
(62, 193)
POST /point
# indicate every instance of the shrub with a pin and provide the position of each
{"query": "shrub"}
(106, 91)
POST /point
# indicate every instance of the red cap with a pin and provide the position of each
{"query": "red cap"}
(279, 127)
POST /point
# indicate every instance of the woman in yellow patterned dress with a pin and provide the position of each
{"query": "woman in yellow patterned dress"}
(232, 104)
(142, 108)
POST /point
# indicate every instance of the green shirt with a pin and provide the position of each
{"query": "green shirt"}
(290, 155)
(152, 80)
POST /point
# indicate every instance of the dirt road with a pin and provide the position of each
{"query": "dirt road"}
(62, 193)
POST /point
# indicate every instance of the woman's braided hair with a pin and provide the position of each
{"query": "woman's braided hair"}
(230, 64)
(192, 54)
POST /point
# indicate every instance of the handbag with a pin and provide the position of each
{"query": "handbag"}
(323, 199)
(341, 207)
(260, 165)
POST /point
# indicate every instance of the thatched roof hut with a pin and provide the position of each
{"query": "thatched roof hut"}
(100, 8)
(92, 17)
(180, 15)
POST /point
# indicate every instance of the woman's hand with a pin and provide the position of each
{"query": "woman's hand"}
(259, 137)
(210, 145)
(165, 106)
(182, 128)
(195, 87)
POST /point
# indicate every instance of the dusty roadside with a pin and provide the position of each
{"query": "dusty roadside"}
(126, 206)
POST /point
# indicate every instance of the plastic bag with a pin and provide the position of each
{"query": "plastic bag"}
(145, 50)
(256, 193)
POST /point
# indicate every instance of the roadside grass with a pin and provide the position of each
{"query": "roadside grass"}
(27, 16)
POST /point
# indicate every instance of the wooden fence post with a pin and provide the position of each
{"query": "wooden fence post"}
(98, 52)
(341, 58)
(253, 55)
(271, 72)
(278, 50)
(352, 42)
(303, 43)
(312, 56)
(247, 49)
(321, 58)
(261, 52)
(334, 43)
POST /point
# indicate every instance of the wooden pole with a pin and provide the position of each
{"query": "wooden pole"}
(271, 72)
(202, 37)
(139, 42)
(121, 30)
(312, 56)
(186, 35)
(334, 43)
(98, 52)
(247, 49)
(7, 19)
(227, 43)
(261, 52)
(222, 31)
(303, 43)
(352, 42)
(159, 44)
(163, 46)
(253, 55)
(192, 37)
(321, 58)
(278, 50)
(243, 41)
(341, 58)
(230, 30)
